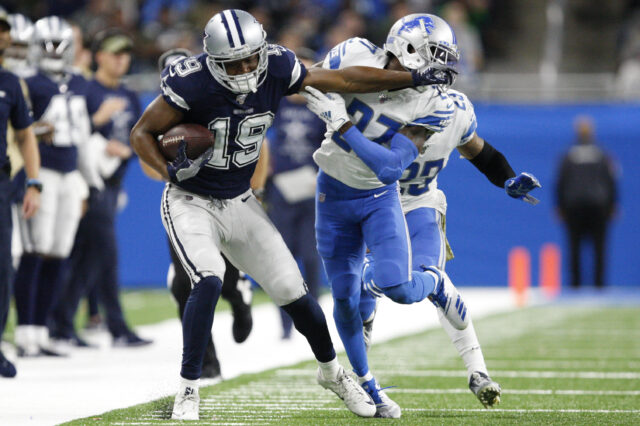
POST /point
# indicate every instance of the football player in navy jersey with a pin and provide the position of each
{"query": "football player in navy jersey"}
(234, 89)
(14, 110)
(289, 194)
(178, 280)
(58, 100)
(94, 259)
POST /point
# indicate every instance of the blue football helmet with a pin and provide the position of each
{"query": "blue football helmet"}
(53, 48)
(422, 40)
(232, 35)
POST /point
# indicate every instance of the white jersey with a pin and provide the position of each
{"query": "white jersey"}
(376, 115)
(419, 182)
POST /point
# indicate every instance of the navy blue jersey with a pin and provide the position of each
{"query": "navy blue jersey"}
(13, 107)
(239, 121)
(63, 105)
(121, 123)
(295, 135)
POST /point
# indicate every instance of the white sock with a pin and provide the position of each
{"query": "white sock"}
(331, 369)
(365, 378)
(466, 342)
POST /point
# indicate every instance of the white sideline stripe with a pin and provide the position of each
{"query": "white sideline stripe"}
(495, 373)
(520, 410)
(468, 410)
(521, 391)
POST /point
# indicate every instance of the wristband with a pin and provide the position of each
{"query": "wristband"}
(34, 183)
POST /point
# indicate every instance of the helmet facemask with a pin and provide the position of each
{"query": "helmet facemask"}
(240, 83)
(16, 56)
(55, 55)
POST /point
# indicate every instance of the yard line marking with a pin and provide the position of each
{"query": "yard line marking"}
(522, 391)
(494, 373)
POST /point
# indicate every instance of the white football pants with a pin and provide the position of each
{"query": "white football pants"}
(200, 228)
(52, 230)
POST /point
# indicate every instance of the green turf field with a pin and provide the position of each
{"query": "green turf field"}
(556, 364)
(141, 307)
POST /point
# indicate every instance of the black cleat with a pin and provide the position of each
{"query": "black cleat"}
(7, 369)
(242, 321)
(130, 340)
(211, 369)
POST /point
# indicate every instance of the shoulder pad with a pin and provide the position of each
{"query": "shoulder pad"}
(183, 82)
(355, 51)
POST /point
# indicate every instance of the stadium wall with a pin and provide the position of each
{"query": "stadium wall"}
(483, 224)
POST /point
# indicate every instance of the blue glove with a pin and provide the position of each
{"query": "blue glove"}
(430, 76)
(183, 168)
(520, 186)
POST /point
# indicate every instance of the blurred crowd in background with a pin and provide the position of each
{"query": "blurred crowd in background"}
(488, 31)
(158, 25)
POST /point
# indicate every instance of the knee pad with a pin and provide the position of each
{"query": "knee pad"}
(390, 273)
(345, 309)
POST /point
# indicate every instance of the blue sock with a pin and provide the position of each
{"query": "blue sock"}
(422, 284)
(48, 288)
(349, 325)
(25, 287)
(196, 325)
(309, 320)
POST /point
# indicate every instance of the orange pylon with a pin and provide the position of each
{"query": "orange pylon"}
(520, 274)
(550, 270)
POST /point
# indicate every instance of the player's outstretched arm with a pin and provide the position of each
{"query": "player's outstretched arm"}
(367, 79)
(387, 164)
(496, 168)
(156, 120)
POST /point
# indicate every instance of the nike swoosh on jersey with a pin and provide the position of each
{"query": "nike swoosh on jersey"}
(380, 194)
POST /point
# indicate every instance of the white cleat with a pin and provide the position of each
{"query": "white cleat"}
(487, 391)
(355, 398)
(187, 404)
(385, 406)
(446, 298)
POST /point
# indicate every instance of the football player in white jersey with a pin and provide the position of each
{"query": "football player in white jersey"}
(407, 47)
(425, 205)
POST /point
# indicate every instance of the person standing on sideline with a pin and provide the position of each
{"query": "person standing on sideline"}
(14, 109)
(586, 198)
(114, 109)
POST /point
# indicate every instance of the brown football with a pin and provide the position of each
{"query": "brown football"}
(198, 139)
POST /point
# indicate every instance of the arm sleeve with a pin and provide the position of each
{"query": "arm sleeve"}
(387, 164)
(21, 116)
(493, 164)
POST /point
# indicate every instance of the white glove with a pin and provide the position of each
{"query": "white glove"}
(329, 107)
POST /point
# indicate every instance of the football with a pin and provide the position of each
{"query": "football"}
(198, 139)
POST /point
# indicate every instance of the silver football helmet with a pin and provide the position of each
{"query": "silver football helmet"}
(16, 56)
(53, 45)
(421, 40)
(230, 36)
